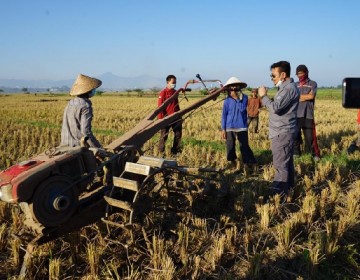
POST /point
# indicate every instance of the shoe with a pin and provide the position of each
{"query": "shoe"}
(174, 152)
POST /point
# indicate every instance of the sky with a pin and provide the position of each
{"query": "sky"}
(48, 39)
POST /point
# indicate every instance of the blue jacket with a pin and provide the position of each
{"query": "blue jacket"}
(234, 114)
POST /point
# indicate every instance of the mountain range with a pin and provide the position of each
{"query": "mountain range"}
(109, 82)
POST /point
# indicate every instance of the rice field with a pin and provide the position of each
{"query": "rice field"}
(315, 235)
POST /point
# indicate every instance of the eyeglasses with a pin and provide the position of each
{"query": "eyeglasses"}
(234, 88)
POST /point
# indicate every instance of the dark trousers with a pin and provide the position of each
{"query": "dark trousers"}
(282, 147)
(164, 133)
(306, 127)
(256, 123)
(247, 155)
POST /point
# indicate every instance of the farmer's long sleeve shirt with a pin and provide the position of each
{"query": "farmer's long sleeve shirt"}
(76, 124)
(234, 114)
(306, 108)
(172, 107)
(283, 110)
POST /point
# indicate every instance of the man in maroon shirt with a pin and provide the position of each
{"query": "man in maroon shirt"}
(254, 104)
(171, 108)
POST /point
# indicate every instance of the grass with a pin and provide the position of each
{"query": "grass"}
(315, 235)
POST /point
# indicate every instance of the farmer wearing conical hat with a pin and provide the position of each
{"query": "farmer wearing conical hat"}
(234, 123)
(78, 113)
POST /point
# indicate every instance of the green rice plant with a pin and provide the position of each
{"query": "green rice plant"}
(231, 237)
(309, 207)
(247, 237)
(93, 257)
(54, 269)
(3, 236)
(332, 237)
(315, 258)
(324, 203)
(264, 212)
(323, 171)
(285, 237)
(16, 219)
(112, 270)
(308, 182)
(4, 210)
(15, 251)
(162, 266)
(335, 191)
(255, 265)
(215, 251)
(268, 173)
(195, 267)
(183, 242)
(352, 207)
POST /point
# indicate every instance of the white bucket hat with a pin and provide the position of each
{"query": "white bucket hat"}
(235, 81)
(84, 84)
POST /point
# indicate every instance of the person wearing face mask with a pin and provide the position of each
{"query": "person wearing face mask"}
(78, 113)
(234, 124)
(283, 126)
(171, 108)
(305, 113)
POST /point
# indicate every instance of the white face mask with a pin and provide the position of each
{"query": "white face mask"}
(172, 86)
(92, 93)
(279, 83)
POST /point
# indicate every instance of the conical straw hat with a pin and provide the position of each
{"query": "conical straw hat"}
(84, 84)
(235, 81)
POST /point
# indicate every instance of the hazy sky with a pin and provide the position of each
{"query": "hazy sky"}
(218, 39)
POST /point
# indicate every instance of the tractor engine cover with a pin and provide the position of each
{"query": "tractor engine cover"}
(19, 182)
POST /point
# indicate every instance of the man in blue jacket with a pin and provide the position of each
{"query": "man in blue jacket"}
(234, 123)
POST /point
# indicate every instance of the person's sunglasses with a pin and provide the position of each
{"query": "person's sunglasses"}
(234, 88)
(272, 76)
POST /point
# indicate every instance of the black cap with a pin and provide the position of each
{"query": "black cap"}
(302, 68)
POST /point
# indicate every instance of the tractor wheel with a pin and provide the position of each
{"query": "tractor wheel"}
(161, 202)
(52, 204)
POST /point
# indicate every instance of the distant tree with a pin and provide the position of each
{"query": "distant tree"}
(99, 92)
(1, 90)
(139, 91)
(25, 90)
(155, 90)
(203, 92)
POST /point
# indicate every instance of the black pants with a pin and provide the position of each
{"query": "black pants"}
(306, 126)
(164, 133)
(246, 153)
(256, 123)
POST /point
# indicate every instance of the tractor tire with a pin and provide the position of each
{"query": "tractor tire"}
(53, 203)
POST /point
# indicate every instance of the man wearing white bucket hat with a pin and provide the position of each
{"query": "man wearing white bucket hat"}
(78, 113)
(234, 123)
